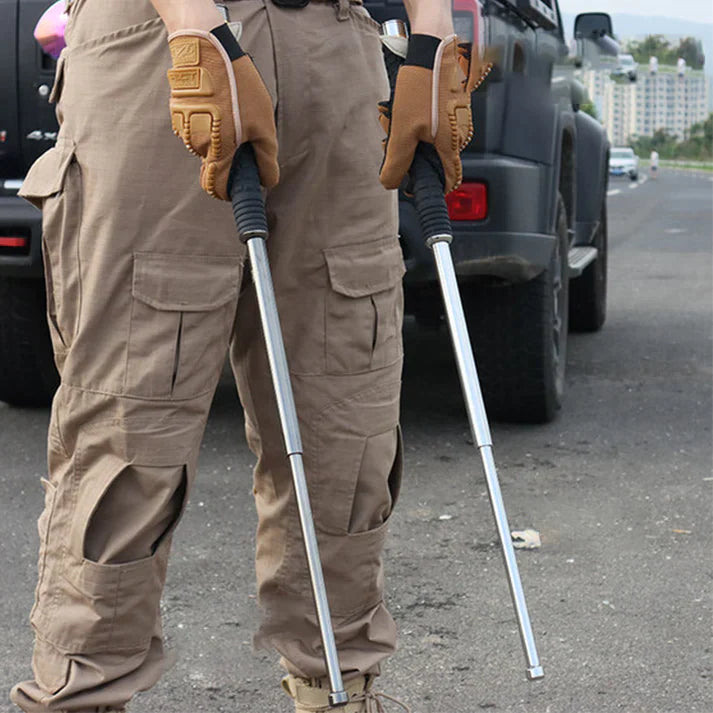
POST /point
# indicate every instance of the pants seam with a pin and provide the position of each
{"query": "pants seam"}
(133, 397)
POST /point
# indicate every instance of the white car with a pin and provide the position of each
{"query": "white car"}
(626, 67)
(623, 161)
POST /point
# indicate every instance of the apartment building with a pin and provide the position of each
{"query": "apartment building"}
(664, 100)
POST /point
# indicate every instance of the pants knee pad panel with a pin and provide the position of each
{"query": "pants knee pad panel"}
(104, 546)
(354, 467)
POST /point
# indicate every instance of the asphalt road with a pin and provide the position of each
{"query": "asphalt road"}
(619, 488)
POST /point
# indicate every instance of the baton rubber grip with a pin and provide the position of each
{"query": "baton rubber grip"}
(246, 195)
(428, 194)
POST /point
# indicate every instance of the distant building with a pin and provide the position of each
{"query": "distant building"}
(664, 100)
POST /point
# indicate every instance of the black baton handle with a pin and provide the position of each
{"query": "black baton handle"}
(426, 173)
(246, 195)
(428, 193)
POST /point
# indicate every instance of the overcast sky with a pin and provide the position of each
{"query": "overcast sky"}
(695, 10)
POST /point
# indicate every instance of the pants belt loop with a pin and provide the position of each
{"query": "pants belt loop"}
(342, 10)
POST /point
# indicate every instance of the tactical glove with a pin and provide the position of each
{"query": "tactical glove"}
(431, 103)
(218, 101)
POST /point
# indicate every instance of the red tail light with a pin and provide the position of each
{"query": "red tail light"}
(469, 202)
(11, 242)
(466, 15)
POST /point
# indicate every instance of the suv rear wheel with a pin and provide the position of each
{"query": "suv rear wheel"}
(588, 292)
(519, 335)
(28, 376)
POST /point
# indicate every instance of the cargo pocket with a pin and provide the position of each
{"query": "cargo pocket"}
(182, 314)
(54, 185)
(352, 562)
(58, 85)
(364, 308)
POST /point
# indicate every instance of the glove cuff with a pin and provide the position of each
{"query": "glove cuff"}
(422, 51)
(225, 36)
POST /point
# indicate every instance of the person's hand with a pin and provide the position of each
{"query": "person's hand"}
(219, 101)
(431, 103)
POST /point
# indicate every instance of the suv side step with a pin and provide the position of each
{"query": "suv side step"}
(579, 258)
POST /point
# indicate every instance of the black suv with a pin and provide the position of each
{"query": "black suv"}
(529, 220)
(27, 129)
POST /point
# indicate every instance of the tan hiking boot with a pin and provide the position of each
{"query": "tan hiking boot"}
(312, 696)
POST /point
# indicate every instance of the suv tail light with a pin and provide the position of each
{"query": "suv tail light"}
(7, 241)
(14, 241)
(469, 202)
(466, 14)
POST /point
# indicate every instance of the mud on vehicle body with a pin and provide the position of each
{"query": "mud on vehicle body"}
(529, 221)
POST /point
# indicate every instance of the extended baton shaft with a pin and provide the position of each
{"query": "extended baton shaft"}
(274, 344)
(481, 433)
(290, 428)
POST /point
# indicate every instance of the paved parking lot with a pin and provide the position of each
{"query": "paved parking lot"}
(619, 488)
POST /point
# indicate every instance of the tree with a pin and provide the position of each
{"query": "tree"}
(691, 50)
(589, 108)
(652, 46)
(697, 146)
(699, 142)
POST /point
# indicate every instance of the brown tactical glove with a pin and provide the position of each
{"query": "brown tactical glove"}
(431, 103)
(219, 101)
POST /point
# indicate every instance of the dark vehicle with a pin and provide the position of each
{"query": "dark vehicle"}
(529, 219)
(27, 129)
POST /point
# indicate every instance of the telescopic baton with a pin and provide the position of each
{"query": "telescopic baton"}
(436, 227)
(250, 218)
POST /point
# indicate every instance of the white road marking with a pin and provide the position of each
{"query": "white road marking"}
(675, 231)
(635, 184)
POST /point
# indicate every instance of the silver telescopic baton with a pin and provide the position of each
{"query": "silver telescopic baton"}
(249, 211)
(436, 226)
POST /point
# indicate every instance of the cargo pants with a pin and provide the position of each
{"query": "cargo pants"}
(147, 292)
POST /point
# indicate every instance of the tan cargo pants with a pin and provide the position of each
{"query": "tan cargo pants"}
(146, 291)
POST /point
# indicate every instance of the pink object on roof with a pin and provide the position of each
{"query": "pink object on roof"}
(49, 31)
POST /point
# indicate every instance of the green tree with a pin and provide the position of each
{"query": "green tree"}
(589, 108)
(662, 141)
(652, 46)
(698, 145)
(699, 141)
(691, 50)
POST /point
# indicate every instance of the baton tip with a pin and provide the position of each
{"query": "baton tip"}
(338, 698)
(535, 673)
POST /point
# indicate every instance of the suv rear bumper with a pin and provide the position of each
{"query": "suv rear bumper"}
(18, 217)
(512, 243)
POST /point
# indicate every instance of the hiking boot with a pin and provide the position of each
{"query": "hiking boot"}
(312, 696)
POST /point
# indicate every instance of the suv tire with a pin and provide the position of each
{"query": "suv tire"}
(519, 335)
(588, 292)
(28, 376)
